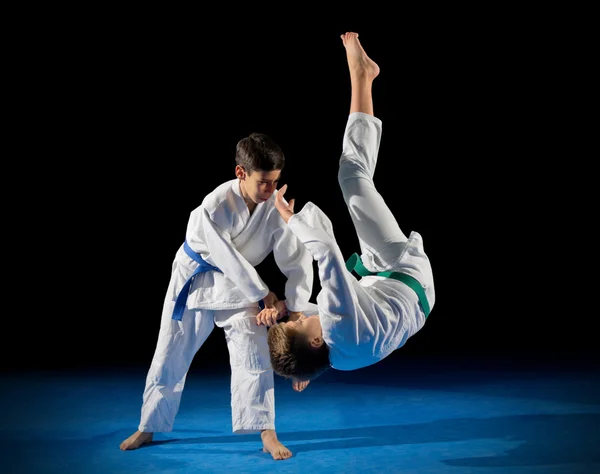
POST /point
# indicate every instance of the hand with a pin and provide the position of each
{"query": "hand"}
(273, 310)
(267, 316)
(270, 300)
(286, 210)
(300, 385)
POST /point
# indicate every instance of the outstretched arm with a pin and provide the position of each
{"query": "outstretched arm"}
(286, 210)
(294, 261)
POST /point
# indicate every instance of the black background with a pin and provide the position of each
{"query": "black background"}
(130, 120)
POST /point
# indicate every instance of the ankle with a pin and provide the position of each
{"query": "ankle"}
(267, 434)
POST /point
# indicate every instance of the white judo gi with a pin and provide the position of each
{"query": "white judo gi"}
(363, 321)
(227, 236)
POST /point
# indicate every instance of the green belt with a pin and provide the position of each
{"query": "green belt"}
(354, 263)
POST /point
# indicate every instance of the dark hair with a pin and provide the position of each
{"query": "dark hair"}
(259, 152)
(292, 355)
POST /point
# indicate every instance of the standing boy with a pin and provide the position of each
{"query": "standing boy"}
(214, 282)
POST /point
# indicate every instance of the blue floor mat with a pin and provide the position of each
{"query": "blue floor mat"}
(418, 415)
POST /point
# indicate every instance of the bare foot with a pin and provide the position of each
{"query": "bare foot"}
(136, 440)
(358, 61)
(272, 445)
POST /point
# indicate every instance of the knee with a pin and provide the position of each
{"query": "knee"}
(351, 169)
(248, 347)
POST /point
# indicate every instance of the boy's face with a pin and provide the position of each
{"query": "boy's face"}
(310, 326)
(258, 186)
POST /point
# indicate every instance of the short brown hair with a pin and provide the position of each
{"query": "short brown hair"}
(292, 355)
(259, 152)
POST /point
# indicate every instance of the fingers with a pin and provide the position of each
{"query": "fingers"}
(280, 202)
(279, 198)
(286, 209)
(299, 385)
(267, 317)
(260, 318)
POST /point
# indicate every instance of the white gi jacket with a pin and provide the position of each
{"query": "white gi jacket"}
(363, 321)
(224, 233)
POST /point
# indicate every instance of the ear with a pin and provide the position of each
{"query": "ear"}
(316, 341)
(240, 172)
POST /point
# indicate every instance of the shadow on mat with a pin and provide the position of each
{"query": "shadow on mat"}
(545, 439)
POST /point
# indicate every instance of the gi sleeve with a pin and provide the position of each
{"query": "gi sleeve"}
(313, 228)
(295, 262)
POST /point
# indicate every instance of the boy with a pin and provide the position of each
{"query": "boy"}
(360, 322)
(213, 281)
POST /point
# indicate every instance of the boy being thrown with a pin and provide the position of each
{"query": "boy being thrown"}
(359, 322)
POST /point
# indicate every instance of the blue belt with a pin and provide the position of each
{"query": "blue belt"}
(354, 263)
(203, 266)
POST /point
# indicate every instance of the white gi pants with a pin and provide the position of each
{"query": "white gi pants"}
(379, 235)
(252, 384)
